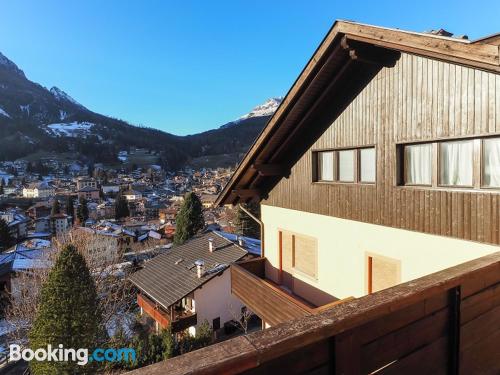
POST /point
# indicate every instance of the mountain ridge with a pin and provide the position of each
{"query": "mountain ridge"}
(34, 117)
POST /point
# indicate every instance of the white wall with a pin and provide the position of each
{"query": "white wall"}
(215, 300)
(343, 244)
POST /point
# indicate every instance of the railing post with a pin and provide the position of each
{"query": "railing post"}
(454, 336)
(347, 354)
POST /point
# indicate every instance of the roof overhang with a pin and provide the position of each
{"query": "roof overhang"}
(349, 57)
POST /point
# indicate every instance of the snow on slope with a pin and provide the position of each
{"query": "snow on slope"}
(62, 96)
(71, 129)
(267, 109)
(3, 113)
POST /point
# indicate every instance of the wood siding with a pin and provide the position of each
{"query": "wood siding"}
(420, 99)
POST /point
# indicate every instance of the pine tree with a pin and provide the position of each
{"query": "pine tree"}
(68, 314)
(82, 212)
(70, 208)
(56, 208)
(5, 236)
(1, 186)
(189, 219)
(245, 225)
(121, 207)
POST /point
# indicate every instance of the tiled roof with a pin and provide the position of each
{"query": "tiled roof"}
(173, 275)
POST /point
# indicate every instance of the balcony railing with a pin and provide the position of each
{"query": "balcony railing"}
(267, 299)
(446, 322)
(180, 320)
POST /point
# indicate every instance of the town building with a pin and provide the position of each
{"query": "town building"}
(89, 193)
(190, 284)
(38, 190)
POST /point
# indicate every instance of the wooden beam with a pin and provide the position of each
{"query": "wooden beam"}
(368, 54)
(247, 193)
(271, 169)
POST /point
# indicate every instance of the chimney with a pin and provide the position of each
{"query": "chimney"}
(199, 268)
(241, 242)
(211, 245)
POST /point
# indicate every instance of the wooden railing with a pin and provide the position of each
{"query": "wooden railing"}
(269, 303)
(180, 321)
(446, 322)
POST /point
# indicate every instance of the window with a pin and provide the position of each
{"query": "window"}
(346, 165)
(297, 253)
(382, 272)
(325, 166)
(418, 164)
(367, 164)
(491, 162)
(456, 163)
(216, 324)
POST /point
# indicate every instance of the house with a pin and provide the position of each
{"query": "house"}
(17, 223)
(39, 209)
(190, 284)
(54, 224)
(84, 182)
(379, 167)
(378, 179)
(89, 193)
(207, 200)
(110, 189)
(38, 190)
(132, 195)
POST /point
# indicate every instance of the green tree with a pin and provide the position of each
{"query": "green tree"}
(246, 225)
(68, 314)
(168, 343)
(56, 207)
(121, 207)
(1, 186)
(70, 207)
(5, 236)
(82, 211)
(189, 219)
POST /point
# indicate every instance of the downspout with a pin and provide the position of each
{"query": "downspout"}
(261, 224)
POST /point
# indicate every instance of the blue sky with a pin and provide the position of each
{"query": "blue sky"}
(189, 66)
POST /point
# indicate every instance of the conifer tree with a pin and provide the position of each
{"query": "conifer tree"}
(189, 219)
(1, 186)
(121, 207)
(5, 236)
(70, 208)
(246, 225)
(82, 212)
(56, 208)
(68, 314)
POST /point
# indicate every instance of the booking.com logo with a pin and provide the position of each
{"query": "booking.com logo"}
(80, 356)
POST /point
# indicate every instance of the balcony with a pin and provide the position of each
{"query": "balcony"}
(270, 301)
(445, 322)
(178, 319)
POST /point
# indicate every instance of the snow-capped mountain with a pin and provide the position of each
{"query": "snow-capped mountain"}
(34, 118)
(61, 96)
(266, 109)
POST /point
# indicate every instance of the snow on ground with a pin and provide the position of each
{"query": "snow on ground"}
(72, 129)
(3, 113)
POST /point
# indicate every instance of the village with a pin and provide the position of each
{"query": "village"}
(128, 217)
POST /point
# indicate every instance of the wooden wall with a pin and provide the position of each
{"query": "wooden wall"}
(419, 99)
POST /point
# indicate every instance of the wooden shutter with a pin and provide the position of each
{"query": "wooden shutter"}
(383, 273)
(305, 251)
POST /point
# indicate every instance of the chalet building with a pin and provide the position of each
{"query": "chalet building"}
(379, 179)
(17, 223)
(190, 284)
(84, 182)
(89, 193)
(39, 190)
(132, 195)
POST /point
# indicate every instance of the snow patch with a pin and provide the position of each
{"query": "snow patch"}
(267, 109)
(3, 113)
(60, 95)
(25, 108)
(62, 115)
(72, 129)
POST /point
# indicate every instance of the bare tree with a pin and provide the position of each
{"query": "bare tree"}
(242, 317)
(116, 297)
